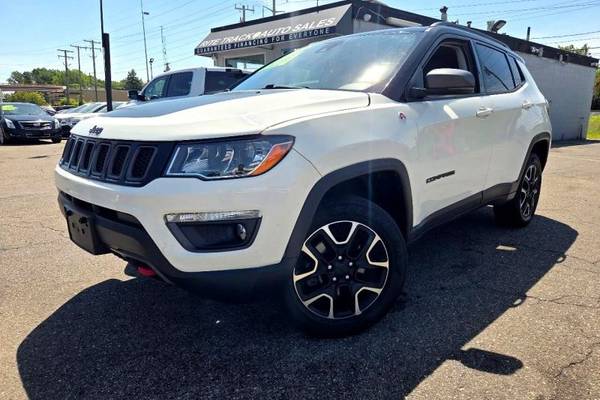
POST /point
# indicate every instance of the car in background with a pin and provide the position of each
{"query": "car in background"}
(187, 83)
(27, 121)
(69, 118)
(49, 109)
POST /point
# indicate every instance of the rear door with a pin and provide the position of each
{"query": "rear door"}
(508, 124)
(454, 149)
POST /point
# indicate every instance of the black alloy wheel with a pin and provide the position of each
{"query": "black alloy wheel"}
(519, 211)
(350, 270)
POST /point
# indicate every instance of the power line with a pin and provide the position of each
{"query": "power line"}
(567, 35)
(520, 10)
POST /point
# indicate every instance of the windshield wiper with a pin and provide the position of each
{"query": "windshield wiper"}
(274, 86)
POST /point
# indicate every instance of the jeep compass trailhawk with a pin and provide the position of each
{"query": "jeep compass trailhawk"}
(312, 174)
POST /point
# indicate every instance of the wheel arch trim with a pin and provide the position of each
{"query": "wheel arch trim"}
(327, 182)
(540, 137)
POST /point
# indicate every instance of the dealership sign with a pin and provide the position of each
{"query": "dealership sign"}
(298, 27)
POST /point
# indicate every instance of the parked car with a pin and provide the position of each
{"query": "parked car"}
(189, 82)
(24, 121)
(49, 109)
(314, 173)
(69, 118)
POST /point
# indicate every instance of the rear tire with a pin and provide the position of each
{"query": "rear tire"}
(351, 269)
(519, 211)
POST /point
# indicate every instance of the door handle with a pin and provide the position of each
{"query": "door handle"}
(484, 112)
(527, 105)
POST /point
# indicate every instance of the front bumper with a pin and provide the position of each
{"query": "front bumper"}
(123, 235)
(19, 133)
(279, 195)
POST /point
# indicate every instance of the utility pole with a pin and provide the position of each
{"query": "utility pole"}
(79, 69)
(151, 73)
(107, 71)
(243, 9)
(164, 49)
(144, 30)
(92, 42)
(66, 60)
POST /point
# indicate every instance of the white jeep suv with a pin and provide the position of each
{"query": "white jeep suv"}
(313, 174)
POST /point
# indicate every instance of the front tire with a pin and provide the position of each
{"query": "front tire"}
(56, 139)
(350, 271)
(3, 137)
(519, 211)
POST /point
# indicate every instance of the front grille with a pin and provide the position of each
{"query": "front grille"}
(35, 125)
(116, 161)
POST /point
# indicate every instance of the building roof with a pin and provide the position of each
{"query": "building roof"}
(381, 13)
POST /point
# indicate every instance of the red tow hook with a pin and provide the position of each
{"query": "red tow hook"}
(146, 271)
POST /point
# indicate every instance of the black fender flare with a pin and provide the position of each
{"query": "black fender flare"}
(540, 137)
(336, 177)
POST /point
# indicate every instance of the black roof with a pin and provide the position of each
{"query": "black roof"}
(379, 12)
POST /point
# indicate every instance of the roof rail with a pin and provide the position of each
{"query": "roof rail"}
(472, 30)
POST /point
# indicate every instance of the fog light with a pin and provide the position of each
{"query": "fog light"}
(214, 231)
(241, 231)
(212, 216)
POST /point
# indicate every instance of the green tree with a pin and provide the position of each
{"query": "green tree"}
(583, 50)
(27, 97)
(132, 82)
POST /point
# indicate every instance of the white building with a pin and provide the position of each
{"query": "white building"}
(566, 79)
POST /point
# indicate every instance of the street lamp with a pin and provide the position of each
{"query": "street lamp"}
(144, 30)
(107, 71)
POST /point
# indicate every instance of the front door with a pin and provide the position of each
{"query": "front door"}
(453, 147)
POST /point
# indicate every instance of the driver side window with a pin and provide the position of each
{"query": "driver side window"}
(156, 88)
(453, 54)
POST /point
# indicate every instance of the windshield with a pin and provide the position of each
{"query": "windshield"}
(354, 62)
(21, 109)
(90, 107)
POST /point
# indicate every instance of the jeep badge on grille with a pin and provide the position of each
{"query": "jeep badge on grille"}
(96, 130)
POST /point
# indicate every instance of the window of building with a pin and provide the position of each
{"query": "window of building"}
(251, 62)
(497, 75)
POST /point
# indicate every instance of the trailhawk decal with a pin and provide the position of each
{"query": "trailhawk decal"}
(440, 176)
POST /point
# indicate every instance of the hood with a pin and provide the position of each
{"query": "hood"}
(25, 117)
(218, 115)
(74, 115)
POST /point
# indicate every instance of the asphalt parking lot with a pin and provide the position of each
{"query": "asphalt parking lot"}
(489, 313)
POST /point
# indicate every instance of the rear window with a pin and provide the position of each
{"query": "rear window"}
(516, 72)
(217, 81)
(180, 84)
(497, 75)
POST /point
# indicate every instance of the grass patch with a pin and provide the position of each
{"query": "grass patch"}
(593, 132)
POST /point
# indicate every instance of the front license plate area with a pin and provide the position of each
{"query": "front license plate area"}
(82, 231)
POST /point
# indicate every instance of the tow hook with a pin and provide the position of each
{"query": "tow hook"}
(146, 271)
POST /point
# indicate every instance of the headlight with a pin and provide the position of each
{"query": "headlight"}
(10, 124)
(56, 124)
(229, 158)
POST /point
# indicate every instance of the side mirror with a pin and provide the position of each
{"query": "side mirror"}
(449, 81)
(134, 95)
(446, 81)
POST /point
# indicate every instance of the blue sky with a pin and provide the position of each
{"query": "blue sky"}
(29, 42)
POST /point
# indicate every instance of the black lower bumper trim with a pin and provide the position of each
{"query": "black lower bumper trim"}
(126, 237)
